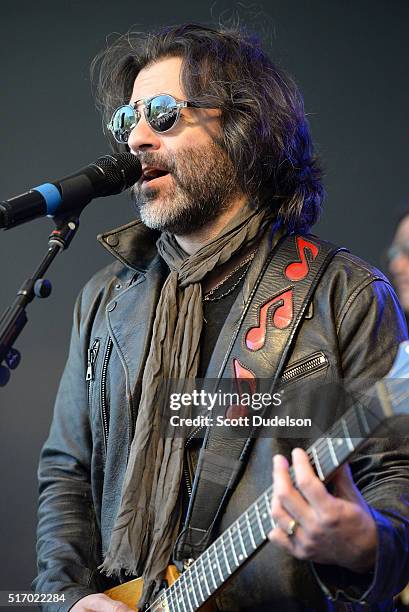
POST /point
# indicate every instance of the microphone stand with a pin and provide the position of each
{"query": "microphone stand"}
(14, 317)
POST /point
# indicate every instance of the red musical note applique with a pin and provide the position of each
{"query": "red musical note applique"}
(282, 317)
(244, 378)
(298, 270)
(246, 383)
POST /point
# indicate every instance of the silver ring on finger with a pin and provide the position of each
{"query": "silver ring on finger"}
(291, 528)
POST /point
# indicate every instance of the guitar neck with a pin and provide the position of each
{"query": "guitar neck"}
(249, 532)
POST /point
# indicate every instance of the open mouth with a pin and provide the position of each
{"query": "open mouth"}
(150, 174)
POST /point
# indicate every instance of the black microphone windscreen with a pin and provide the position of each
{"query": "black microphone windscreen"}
(121, 170)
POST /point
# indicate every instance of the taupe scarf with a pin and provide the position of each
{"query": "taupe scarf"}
(147, 523)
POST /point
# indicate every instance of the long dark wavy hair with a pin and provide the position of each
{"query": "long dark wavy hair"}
(265, 131)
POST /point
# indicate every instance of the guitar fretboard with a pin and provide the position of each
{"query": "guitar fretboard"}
(249, 532)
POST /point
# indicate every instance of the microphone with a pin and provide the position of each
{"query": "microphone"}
(108, 175)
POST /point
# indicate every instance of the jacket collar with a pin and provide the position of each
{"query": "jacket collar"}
(133, 244)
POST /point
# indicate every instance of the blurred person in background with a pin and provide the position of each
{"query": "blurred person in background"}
(398, 261)
(398, 265)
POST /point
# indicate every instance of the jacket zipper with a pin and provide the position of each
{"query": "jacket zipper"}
(315, 362)
(104, 407)
(104, 411)
(91, 360)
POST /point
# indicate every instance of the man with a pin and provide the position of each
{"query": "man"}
(227, 170)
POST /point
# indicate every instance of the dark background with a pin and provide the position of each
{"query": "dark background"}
(349, 59)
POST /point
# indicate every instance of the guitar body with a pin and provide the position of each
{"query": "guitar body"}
(130, 592)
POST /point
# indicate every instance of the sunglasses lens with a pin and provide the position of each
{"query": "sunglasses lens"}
(122, 123)
(395, 250)
(162, 113)
(392, 253)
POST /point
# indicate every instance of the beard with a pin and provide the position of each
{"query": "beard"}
(203, 183)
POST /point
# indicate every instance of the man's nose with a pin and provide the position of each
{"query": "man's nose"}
(143, 138)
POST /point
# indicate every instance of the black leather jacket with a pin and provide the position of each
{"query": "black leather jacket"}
(355, 322)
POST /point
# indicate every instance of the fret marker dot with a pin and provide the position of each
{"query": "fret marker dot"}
(339, 441)
(264, 515)
(241, 557)
(214, 566)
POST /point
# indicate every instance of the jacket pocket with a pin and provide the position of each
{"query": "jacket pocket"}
(305, 367)
(96, 378)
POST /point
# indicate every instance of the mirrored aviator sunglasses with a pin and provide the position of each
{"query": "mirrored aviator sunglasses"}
(161, 112)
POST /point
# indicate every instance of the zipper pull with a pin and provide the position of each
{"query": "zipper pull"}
(91, 359)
